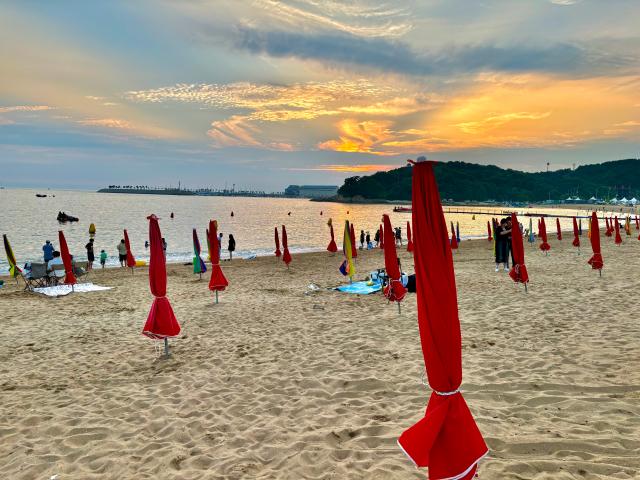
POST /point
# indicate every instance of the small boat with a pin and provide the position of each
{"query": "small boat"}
(41, 195)
(63, 218)
(402, 209)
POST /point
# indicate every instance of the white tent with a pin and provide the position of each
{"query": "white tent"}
(624, 201)
(633, 201)
(613, 201)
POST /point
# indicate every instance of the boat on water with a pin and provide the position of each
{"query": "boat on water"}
(402, 209)
(63, 218)
(41, 195)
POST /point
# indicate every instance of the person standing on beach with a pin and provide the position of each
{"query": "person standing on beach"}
(90, 254)
(122, 253)
(376, 238)
(398, 236)
(232, 246)
(164, 247)
(502, 239)
(220, 236)
(48, 249)
(103, 258)
(361, 239)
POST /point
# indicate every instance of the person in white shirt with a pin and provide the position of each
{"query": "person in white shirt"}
(56, 260)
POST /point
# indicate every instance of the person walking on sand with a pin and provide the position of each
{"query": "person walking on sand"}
(48, 250)
(232, 246)
(90, 254)
(368, 240)
(361, 239)
(122, 253)
(164, 247)
(103, 258)
(502, 238)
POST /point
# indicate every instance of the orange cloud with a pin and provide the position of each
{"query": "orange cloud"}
(359, 137)
(237, 131)
(350, 168)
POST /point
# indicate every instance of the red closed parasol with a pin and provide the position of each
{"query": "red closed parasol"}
(558, 229)
(217, 282)
(609, 231)
(277, 252)
(161, 323)
(637, 223)
(518, 272)
(394, 290)
(409, 240)
(446, 439)
(454, 239)
(489, 237)
(618, 239)
(332, 247)
(544, 246)
(286, 256)
(576, 233)
(131, 261)
(69, 277)
(596, 260)
(352, 232)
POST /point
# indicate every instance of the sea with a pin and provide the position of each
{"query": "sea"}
(29, 221)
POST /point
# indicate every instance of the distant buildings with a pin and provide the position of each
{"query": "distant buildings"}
(311, 191)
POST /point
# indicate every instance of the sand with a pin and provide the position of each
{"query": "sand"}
(276, 383)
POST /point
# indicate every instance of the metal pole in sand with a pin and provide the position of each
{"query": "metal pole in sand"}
(399, 310)
(525, 288)
(166, 347)
(216, 297)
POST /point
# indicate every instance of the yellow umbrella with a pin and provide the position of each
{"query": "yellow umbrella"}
(14, 270)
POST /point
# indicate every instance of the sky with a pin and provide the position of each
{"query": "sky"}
(266, 93)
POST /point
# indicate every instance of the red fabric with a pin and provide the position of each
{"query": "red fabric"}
(558, 229)
(596, 260)
(544, 246)
(332, 247)
(490, 238)
(518, 272)
(394, 290)
(576, 233)
(131, 262)
(69, 277)
(354, 250)
(277, 252)
(217, 282)
(618, 237)
(454, 239)
(409, 240)
(381, 237)
(609, 230)
(161, 322)
(637, 223)
(447, 439)
(286, 256)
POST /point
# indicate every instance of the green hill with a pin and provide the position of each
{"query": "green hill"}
(461, 181)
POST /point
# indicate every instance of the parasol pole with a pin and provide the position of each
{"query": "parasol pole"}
(525, 288)
(216, 297)
(166, 347)
(399, 309)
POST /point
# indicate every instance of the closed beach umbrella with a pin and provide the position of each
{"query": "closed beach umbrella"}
(410, 240)
(576, 233)
(14, 270)
(69, 278)
(580, 226)
(558, 229)
(277, 252)
(286, 256)
(394, 290)
(381, 233)
(447, 439)
(131, 262)
(637, 223)
(347, 268)
(608, 232)
(332, 247)
(544, 246)
(352, 236)
(217, 282)
(518, 271)
(489, 237)
(161, 323)
(199, 266)
(454, 239)
(595, 261)
(618, 239)
(627, 226)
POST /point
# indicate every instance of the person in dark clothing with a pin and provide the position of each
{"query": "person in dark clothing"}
(503, 244)
(398, 236)
(90, 254)
(368, 240)
(376, 238)
(232, 246)
(361, 239)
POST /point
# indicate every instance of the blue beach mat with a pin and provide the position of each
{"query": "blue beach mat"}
(360, 288)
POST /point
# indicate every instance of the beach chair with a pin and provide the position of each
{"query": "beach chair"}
(37, 277)
(53, 278)
(81, 269)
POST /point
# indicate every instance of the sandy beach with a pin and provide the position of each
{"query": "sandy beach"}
(276, 382)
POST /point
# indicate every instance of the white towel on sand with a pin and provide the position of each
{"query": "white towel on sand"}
(60, 290)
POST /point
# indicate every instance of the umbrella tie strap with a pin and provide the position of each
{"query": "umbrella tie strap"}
(442, 394)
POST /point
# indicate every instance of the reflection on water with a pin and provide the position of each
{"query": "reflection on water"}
(29, 221)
